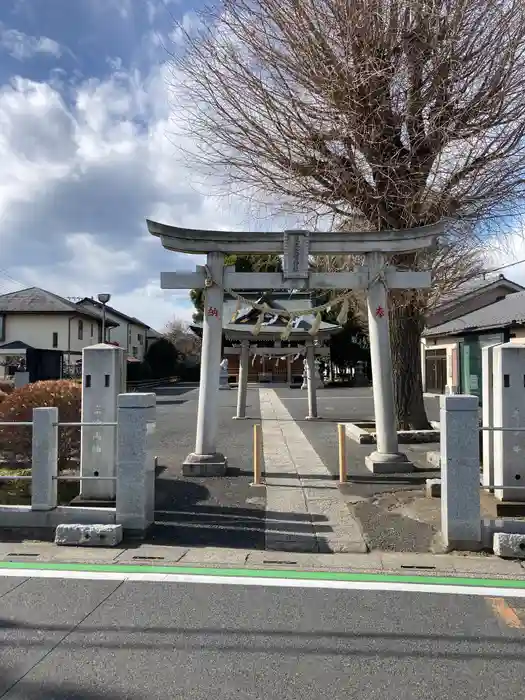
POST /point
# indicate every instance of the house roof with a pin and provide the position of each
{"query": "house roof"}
(474, 286)
(35, 300)
(502, 314)
(16, 345)
(98, 310)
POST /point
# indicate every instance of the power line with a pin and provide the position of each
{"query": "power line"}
(504, 267)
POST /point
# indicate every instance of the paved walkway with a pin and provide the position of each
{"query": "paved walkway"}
(298, 482)
(302, 507)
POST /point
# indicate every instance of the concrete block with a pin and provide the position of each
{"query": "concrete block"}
(89, 535)
(508, 411)
(135, 462)
(103, 379)
(460, 496)
(433, 488)
(510, 546)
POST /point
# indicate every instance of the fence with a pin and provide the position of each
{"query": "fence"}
(144, 385)
(134, 471)
(462, 526)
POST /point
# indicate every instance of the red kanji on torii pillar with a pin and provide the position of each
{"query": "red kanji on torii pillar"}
(375, 276)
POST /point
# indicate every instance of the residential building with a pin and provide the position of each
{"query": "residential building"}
(126, 331)
(42, 320)
(483, 313)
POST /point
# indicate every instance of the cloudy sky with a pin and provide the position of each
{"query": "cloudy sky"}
(86, 154)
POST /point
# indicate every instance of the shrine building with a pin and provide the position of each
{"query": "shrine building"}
(272, 359)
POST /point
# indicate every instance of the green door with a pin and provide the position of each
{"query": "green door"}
(471, 367)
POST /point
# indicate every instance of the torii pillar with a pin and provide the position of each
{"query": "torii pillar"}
(206, 460)
(297, 246)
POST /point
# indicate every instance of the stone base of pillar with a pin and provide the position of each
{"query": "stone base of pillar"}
(381, 463)
(239, 418)
(204, 465)
(312, 418)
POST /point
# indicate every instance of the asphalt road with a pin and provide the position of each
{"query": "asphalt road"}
(198, 511)
(110, 640)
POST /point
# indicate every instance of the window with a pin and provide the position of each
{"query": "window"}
(55, 340)
(92, 329)
(2, 328)
(140, 338)
(81, 330)
(134, 351)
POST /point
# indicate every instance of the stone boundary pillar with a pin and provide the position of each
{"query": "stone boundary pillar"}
(242, 389)
(135, 501)
(44, 469)
(310, 381)
(103, 379)
(460, 472)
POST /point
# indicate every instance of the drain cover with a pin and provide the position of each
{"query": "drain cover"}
(280, 561)
(149, 558)
(421, 568)
(23, 554)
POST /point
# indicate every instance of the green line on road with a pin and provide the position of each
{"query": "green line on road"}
(264, 573)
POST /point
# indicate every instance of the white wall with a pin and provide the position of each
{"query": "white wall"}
(90, 333)
(37, 330)
(129, 336)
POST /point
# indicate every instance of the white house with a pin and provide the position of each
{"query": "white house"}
(127, 331)
(42, 320)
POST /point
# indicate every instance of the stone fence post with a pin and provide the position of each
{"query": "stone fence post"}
(135, 502)
(460, 472)
(44, 469)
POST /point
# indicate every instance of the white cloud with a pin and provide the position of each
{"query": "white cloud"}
(21, 46)
(84, 163)
(83, 166)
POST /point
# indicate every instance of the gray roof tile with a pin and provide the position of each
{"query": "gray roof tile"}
(507, 312)
(36, 300)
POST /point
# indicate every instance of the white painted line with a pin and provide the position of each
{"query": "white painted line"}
(382, 586)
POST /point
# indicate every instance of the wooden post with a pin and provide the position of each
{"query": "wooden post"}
(341, 439)
(257, 453)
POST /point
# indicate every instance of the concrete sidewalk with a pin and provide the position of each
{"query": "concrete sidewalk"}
(221, 557)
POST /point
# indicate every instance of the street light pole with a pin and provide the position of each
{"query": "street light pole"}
(103, 299)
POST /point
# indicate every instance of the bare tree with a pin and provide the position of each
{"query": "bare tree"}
(183, 338)
(395, 113)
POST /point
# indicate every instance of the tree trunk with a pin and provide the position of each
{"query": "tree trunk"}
(406, 325)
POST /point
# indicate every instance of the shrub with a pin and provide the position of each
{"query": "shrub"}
(6, 386)
(138, 371)
(15, 443)
(3, 395)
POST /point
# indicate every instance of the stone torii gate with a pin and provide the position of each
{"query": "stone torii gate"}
(376, 276)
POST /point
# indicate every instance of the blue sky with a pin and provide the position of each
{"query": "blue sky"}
(86, 153)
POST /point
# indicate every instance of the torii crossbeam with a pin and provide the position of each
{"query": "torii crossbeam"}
(296, 247)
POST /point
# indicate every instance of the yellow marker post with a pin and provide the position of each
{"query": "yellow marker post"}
(257, 453)
(341, 437)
